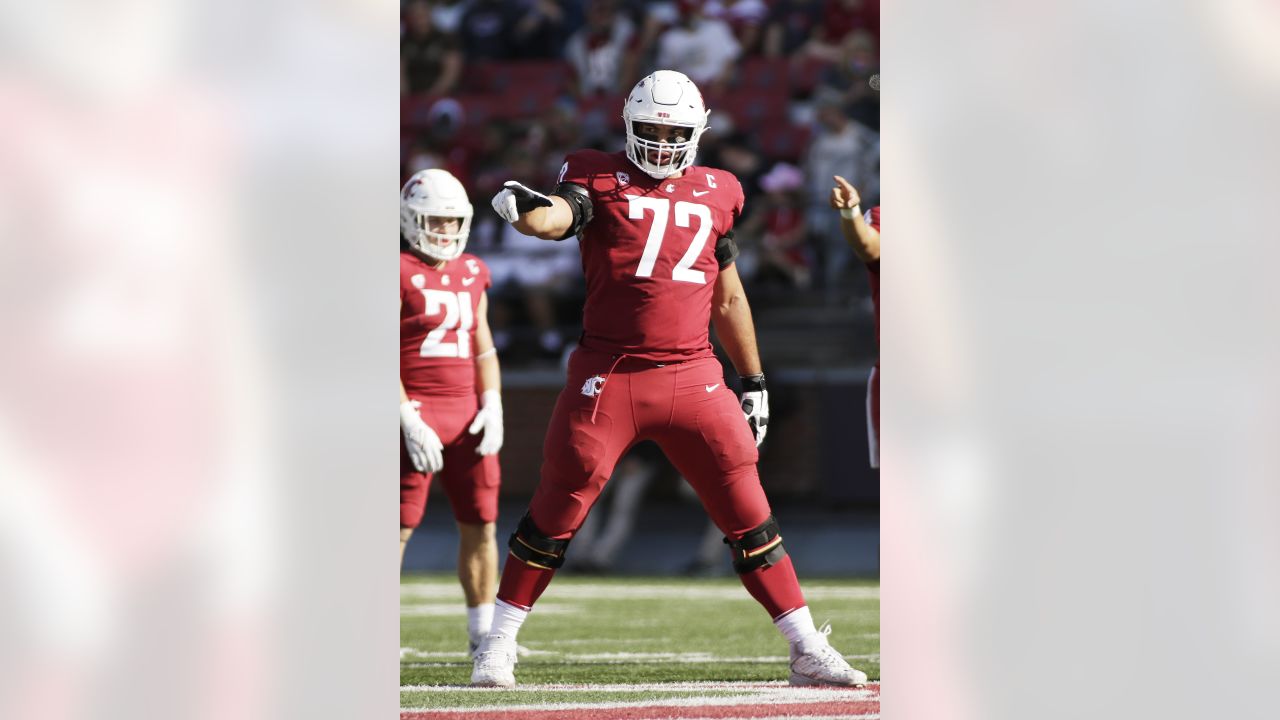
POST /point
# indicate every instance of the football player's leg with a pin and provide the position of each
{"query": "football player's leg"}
(413, 498)
(717, 454)
(711, 444)
(472, 483)
(578, 457)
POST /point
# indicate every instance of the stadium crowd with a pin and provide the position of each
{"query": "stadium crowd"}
(500, 89)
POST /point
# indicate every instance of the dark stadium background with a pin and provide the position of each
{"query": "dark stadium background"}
(491, 91)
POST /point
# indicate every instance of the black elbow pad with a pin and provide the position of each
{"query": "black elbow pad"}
(579, 202)
(726, 250)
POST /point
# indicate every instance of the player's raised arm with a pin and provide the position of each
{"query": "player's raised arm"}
(532, 213)
(731, 317)
(864, 239)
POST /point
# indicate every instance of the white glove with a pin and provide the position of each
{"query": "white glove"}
(425, 448)
(755, 405)
(516, 200)
(489, 420)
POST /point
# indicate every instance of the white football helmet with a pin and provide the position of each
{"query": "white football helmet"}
(434, 194)
(664, 98)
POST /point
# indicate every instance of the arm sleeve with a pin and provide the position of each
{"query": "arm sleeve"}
(726, 250)
(579, 202)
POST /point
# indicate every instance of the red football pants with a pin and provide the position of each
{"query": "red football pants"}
(470, 480)
(607, 406)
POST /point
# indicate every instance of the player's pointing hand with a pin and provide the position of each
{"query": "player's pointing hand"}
(515, 200)
(844, 195)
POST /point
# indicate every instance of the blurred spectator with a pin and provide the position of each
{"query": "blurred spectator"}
(485, 30)
(603, 51)
(791, 23)
(701, 47)
(530, 275)
(430, 61)
(447, 14)
(736, 154)
(541, 27)
(746, 18)
(840, 147)
(841, 19)
(850, 79)
(779, 222)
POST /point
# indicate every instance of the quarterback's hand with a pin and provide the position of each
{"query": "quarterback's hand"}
(755, 405)
(489, 420)
(844, 195)
(516, 200)
(425, 448)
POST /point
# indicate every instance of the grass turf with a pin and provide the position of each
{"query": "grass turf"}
(625, 630)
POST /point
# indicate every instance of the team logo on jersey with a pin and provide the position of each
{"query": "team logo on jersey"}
(473, 266)
(419, 281)
(593, 386)
(623, 178)
(671, 187)
(466, 282)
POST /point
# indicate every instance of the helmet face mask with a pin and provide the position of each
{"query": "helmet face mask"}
(665, 100)
(435, 215)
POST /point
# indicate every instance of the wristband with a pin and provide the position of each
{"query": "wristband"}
(850, 213)
(752, 383)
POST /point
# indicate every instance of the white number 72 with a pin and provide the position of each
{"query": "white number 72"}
(685, 211)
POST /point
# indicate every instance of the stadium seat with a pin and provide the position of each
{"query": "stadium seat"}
(759, 73)
(761, 108)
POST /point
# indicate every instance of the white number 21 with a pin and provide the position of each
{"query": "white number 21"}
(457, 315)
(685, 211)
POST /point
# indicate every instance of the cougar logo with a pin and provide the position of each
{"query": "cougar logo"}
(593, 386)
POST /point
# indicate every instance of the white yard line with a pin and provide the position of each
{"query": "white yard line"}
(690, 685)
(765, 696)
(629, 657)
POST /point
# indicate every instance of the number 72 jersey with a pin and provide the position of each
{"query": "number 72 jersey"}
(649, 254)
(439, 309)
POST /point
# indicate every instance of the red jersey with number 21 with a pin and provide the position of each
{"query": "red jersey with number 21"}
(649, 254)
(438, 311)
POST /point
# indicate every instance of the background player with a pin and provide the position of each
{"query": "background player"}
(863, 235)
(656, 236)
(446, 357)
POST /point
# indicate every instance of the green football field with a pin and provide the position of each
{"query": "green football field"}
(619, 640)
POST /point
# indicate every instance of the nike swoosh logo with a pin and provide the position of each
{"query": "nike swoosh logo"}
(697, 193)
(468, 281)
(711, 387)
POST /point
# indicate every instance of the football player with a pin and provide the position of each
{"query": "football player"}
(862, 232)
(450, 404)
(656, 237)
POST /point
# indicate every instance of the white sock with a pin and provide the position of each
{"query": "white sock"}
(798, 628)
(507, 620)
(479, 620)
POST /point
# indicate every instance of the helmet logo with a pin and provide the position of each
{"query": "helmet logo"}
(662, 114)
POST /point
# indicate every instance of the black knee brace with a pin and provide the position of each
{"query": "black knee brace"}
(533, 547)
(761, 547)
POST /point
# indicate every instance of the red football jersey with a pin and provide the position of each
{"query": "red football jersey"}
(872, 218)
(649, 254)
(438, 311)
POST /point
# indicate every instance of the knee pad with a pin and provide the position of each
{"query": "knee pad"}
(533, 547)
(759, 548)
